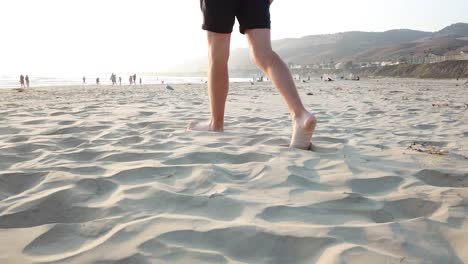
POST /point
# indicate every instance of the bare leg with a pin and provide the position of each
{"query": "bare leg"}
(271, 64)
(218, 81)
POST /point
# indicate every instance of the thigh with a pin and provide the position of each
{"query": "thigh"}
(219, 15)
(259, 40)
(254, 14)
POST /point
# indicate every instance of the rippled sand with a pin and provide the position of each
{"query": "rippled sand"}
(109, 175)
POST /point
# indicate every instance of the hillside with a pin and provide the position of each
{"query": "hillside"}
(355, 46)
(336, 47)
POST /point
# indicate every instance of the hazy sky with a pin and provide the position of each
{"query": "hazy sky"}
(75, 36)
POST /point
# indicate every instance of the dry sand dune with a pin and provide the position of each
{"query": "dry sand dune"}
(109, 175)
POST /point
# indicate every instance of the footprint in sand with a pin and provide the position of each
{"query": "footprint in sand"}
(375, 185)
(443, 179)
(16, 183)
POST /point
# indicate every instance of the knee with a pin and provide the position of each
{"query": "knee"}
(262, 58)
(218, 58)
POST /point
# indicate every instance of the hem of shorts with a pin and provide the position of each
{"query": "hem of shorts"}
(216, 30)
(242, 30)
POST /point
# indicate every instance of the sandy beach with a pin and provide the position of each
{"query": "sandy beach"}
(110, 175)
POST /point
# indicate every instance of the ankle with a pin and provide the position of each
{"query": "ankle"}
(304, 119)
(299, 114)
(217, 125)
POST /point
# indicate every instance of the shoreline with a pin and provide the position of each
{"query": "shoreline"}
(58, 82)
(299, 83)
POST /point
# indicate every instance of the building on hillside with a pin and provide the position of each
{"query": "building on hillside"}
(432, 58)
(386, 63)
(462, 55)
(364, 64)
(340, 66)
(429, 58)
(295, 66)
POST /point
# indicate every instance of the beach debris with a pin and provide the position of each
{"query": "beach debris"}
(425, 147)
(451, 106)
(310, 93)
(440, 105)
(168, 87)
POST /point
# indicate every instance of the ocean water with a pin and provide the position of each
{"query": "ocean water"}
(8, 81)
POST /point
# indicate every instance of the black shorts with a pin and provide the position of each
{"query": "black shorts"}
(219, 15)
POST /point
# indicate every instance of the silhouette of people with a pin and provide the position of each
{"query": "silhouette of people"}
(120, 80)
(97, 81)
(140, 81)
(134, 79)
(130, 79)
(84, 79)
(22, 81)
(27, 81)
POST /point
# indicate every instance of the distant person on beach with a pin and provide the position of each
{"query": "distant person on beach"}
(120, 80)
(97, 81)
(254, 18)
(113, 79)
(22, 81)
(134, 79)
(130, 79)
(140, 81)
(84, 80)
(27, 81)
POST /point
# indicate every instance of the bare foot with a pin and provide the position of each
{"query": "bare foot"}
(303, 129)
(208, 126)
